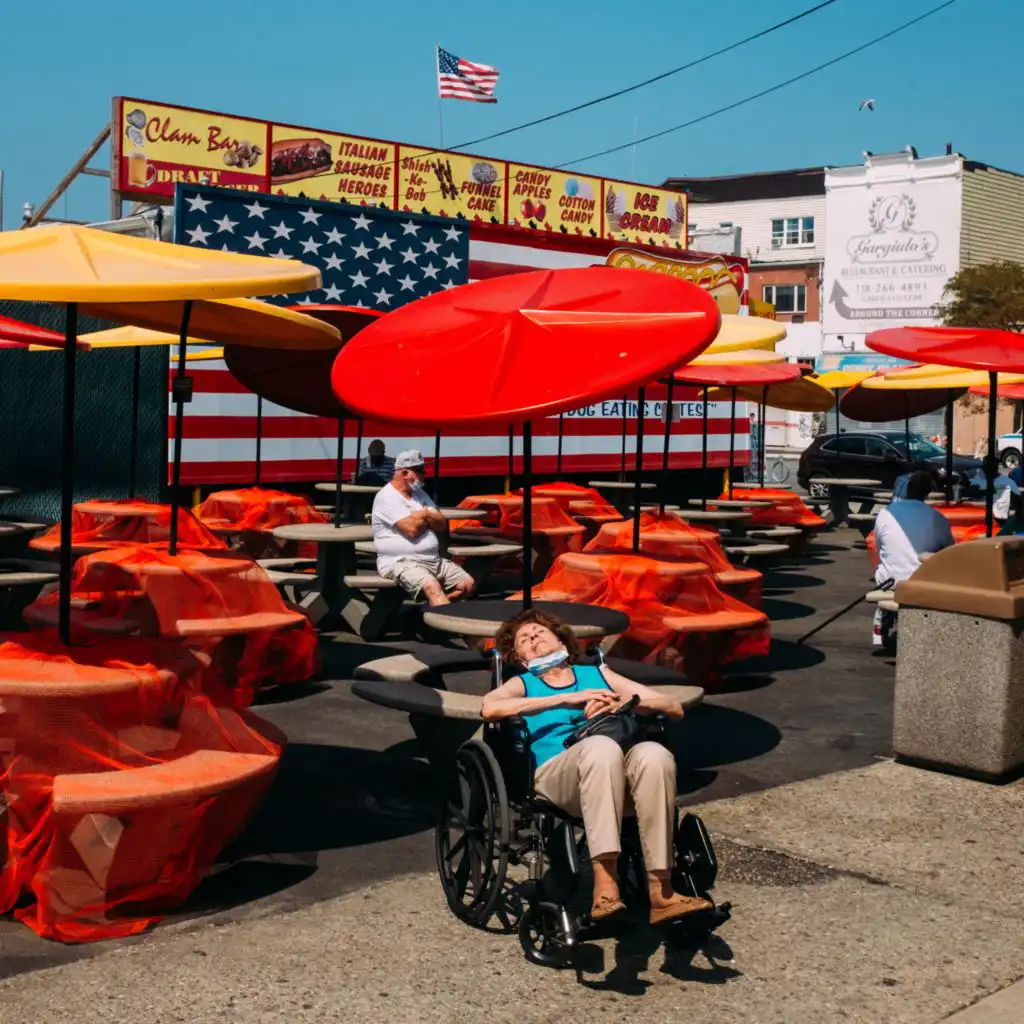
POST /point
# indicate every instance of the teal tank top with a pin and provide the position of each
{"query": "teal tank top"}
(549, 729)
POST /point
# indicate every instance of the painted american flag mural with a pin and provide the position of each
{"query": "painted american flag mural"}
(382, 259)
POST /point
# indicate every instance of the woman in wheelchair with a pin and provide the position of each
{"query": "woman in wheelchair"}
(589, 779)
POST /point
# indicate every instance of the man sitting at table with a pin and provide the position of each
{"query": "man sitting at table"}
(377, 467)
(406, 531)
(904, 531)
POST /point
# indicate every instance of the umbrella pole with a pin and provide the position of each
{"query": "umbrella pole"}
(763, 432)
(638, 482)
(338, 470)
(133, 464)
(732, 438)
(437, 464)
(668, 440)
(906, 423)
(949, 447)
(259, 437)
(990, 469)
(835, 394)
(359, 448)
(527, 514)
(625, 426)
(558, 457)
(511, 460)
(179, 419)
(67, 472)
(704, 452)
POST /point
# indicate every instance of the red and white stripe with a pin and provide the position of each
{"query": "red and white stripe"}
(476, 83)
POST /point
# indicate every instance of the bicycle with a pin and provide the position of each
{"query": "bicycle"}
(776, 469)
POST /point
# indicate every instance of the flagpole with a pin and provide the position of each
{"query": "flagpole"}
(440, 118)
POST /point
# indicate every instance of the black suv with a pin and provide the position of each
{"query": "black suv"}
(878, 455)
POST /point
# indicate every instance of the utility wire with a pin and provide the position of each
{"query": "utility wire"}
(649, 81)
(763, 92)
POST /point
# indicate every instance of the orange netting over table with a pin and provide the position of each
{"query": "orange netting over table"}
(786, 509)
(223, 604)
(122, 782)
(678, 616)
(106, 524)
(575, 499)
(667, 536)
(251, 513)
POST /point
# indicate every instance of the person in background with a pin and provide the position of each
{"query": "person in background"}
(1004, 487)
(376, 467)
(904, 531)
(407, 530)
(1014, 524)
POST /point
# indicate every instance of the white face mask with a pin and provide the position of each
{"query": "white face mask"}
(547, 662)
(416, 485)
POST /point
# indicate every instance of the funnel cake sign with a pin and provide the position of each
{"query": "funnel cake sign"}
(157, 146)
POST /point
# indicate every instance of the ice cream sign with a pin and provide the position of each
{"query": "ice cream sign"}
(639, 213)
(553, 201)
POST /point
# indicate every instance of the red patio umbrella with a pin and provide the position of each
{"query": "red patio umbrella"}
(511, 349)
(12, 330)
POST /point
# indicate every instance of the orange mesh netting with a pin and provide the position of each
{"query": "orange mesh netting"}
(254, 512)
(961, 534)
(787, 508)
(667, 536)
(122, 782)
(678, 616)
(223, 604)
(572, 497)
(106, 524)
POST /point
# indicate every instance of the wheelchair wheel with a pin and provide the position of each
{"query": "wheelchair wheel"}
(540, 935)
(472, 835)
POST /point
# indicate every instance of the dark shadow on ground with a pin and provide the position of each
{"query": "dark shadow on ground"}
(711, 736)
(783, 656)
(791, 580)
(781, 611)
(742, 683)
(286, 694)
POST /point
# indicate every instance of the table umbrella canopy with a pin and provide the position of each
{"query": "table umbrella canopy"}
(70, 263)
(225, 322)
(12, 330)
(300, 381)
(753, 374)
(740, 357)
(515, 348)
(974, 348)
(875, 401)
(951, 380)
(801, 394)
(746, 332)
(1012, 392)
(836, 380)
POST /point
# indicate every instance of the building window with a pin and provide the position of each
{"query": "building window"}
(792, 231)
(787, 298)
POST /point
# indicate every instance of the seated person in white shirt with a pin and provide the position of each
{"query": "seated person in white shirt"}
(406, 532)
(903, 532)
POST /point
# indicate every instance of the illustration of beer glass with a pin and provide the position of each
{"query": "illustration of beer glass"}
(141, 173)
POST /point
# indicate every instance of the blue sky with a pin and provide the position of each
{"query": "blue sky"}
(369, 69)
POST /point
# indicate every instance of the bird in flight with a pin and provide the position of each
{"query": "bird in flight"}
(867, 105)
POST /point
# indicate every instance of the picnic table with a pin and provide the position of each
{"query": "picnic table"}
(839, 493)
(735, 519)
(621, 490)
(354, 497)
(728, 503)
(485, 618)
(478, 559)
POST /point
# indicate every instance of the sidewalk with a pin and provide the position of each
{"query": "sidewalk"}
(882, 895)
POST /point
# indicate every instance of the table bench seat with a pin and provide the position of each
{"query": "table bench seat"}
(714, 622)
(368, 582)
(47, 616)
(775, 533)
(755, 552)
(425, 668)
(235, 624)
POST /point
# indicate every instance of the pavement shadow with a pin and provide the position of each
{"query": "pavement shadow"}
(782, 656)
(290, 692)
(791, 580)
(712, 735)
(781, 611)
(744, 683)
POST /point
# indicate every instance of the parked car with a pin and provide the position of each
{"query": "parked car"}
(879, 455)
(1010, 447)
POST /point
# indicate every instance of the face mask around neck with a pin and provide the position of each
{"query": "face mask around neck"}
(547, 662)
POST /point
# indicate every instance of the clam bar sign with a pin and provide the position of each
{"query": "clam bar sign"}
(893, 241)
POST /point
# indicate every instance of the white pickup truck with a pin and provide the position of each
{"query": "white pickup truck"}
(1010, 447)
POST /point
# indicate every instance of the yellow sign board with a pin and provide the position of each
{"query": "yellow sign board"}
(159, 146)
(321, 165)
(553, 200)
(721, 276)
(642, 214)
(451, 184)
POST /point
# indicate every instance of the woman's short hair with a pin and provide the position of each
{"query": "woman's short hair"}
(505, 639)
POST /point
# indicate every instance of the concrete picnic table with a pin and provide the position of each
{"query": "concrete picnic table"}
(621, 490)
(839, 493)
(353, 496)
(485, 618)
(478, 559)
(736, 519)
(330, 599)
(729, 503)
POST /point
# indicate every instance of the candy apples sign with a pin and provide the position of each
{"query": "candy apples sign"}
(639, 213)
(553, 201)
(157, 146)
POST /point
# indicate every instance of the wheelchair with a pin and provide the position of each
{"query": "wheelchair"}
(490, 819)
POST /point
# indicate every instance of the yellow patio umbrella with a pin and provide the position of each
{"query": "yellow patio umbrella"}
(799, 395)
(741, 357)
(71, 265)
(738, 333)
(956, 380)
(840, 380)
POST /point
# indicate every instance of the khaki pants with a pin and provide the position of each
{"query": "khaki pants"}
(589, 780)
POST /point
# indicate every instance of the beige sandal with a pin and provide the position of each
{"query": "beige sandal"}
(605, 907)
(679, 906)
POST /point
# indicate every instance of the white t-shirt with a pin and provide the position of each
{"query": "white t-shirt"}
(390, 506)
(904, 531)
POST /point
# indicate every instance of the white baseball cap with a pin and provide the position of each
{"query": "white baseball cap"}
(412, 458)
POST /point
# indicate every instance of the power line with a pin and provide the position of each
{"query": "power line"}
(763, 92)
(649, 81)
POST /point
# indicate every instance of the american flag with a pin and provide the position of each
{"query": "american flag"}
(382, 259)
(459, 79)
